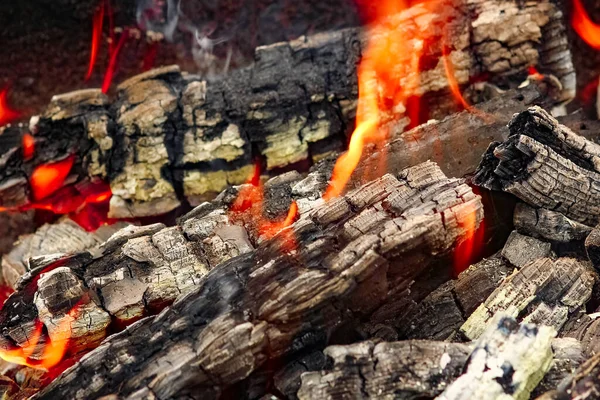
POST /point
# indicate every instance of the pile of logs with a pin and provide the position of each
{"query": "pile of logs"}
(358, 296)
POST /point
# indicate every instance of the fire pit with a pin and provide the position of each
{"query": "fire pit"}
(407, 209)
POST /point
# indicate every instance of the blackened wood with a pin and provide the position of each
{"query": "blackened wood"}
(546, 165)
(410, 369)
(543, 292)
(279, 299)
(584, 384)
(568, 356)
(592, 246)
(509, 360)
(520, 250)
(171, 137)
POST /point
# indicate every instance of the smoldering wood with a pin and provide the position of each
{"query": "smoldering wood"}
(278, 300)
(543, 292)
(170, 137)
(568, 355)
(410, 369)
(548, 225)
(63, 237)
(546, 165)
(509, 359)
(584, 384)
(13, 225)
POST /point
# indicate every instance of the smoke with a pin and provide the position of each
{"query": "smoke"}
(159, 16)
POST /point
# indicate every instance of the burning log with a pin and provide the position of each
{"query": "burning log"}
(339, 262)
(171, 137)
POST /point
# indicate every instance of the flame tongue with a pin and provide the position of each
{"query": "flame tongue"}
(584, 26)
(7, 113)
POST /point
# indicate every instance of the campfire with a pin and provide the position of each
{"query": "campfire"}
(408, 208)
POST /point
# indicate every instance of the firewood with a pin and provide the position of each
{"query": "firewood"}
(13, 225)
(267, 304)
(546, 165)
(410, 369)
(170, 137)
(64, 237)
(509, 360)
(520, 250)
(543, 292)
(568, 356)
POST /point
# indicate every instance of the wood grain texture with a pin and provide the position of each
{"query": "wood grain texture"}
(276, 301)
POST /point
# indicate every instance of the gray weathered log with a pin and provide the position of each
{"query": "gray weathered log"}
(592, 246)
(543, 292)
(546, 165)
(171, 137)
(411, 369)
(508, 361)
(270, 303)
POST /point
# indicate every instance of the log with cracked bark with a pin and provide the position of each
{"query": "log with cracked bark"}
(171, 137)
(546, 165)
(336, 264)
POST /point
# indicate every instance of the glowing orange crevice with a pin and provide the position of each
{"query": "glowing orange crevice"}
(48, 178)
(28, 146)
(584, 26)
(7, 113)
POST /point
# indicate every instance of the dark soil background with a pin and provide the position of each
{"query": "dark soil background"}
(45, 44)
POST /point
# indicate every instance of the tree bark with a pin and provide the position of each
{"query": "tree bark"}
(264, 305)
(170, 137)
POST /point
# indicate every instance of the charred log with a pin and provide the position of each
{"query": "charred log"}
(171, 137)
(269, 303)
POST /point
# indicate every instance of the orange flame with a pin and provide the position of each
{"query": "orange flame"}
(470, 249)
(28, 146)
(53, 350)
(584, 26)
(48, 178)
(98, 22)
(380, 89)
(7, 113)
(452, 82)
(249, 205)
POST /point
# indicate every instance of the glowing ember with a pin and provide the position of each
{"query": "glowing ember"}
(249, 206)
(98, 22)
(112, 65)
(584, 26)
(7, 113)
(388, 76)
(28, 146)
(48, 178)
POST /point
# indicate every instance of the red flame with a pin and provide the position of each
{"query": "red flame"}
(48, 178)
(249, 206)
(584, 26)
(452, 82)
(28, 146)
(112, 65)
(98, 22)
(150, 57)
(7, 113)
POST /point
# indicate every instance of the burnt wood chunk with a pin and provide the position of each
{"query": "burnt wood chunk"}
(509, 360)
(592, 246)
(520, 250)
(64, 237)
(543, 292)
(548, 225)
(584, 384)
(170, 137)
(568, 356)
(546, 165)
(278, 300)
(410, 369)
